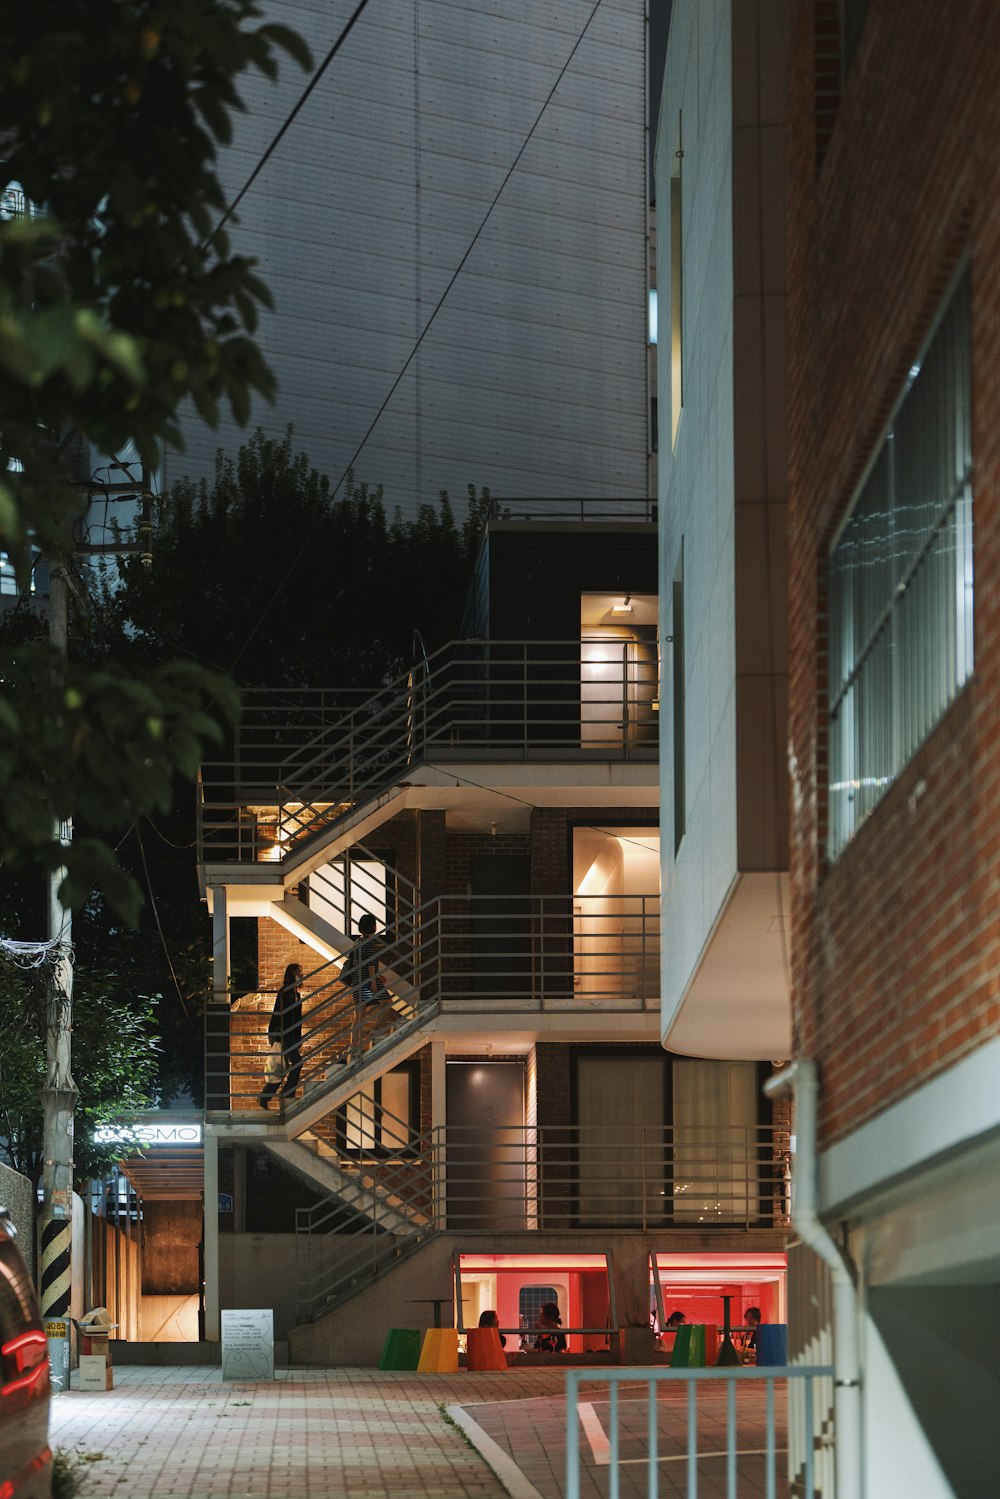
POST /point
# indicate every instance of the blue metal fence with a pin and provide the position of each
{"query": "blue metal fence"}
(697, 1430)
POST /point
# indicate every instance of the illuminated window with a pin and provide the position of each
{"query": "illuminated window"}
(677, 672)
(900, 581)
(676, 290)
(382, 1119)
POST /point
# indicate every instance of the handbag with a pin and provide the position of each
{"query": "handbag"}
(274, 1063)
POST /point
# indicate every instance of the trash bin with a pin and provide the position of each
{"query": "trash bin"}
(772, 1344)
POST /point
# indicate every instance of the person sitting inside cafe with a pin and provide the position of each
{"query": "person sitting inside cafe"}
(550, 1340)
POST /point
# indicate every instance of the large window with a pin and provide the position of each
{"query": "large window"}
(900, 582)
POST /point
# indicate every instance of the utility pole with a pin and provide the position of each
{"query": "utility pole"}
(59, 1093)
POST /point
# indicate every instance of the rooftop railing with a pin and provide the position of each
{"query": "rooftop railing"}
(593, 511)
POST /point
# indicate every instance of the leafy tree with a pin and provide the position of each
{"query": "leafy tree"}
(114, 1059)
(263, 573)
(117, 301)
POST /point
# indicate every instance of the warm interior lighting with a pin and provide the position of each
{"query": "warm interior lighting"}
(625, 607)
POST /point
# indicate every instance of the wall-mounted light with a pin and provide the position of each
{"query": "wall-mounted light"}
(625, 607)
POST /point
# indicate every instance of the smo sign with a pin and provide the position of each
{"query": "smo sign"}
(148, 1134)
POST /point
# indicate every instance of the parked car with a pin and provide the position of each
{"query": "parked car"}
(25, 1458)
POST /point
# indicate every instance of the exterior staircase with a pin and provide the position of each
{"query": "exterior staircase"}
(395, 1194)
(358, 1189)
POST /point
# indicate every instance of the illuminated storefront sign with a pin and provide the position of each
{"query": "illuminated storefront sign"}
(148, 1134)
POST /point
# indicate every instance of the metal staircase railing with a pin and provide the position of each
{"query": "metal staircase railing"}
(456, 954)
(471, 1179)
(487, 700)
(356, 882)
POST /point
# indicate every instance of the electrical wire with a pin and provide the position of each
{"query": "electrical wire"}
(521, 801)
(156, 917)
(292, 566)
(269, 152)
(164, 839)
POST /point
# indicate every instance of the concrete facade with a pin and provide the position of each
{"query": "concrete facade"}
(532, 379)
(721, 271)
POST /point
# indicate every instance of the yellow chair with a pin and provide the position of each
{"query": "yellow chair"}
(439, 1354)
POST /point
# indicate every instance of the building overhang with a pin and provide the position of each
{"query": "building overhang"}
(738, 1005)
(162, 1156)
(475, 797)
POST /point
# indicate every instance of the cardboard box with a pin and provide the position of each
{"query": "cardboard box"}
(95, 1373)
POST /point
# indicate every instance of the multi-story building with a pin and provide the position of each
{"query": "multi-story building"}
(720, 186)
(455, 232)
(515, 1133)
(893, 224)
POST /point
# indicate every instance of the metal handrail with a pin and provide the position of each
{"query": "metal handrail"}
(636, 510)
(493, 700)
(654, 1424)
(550, 954)
(526, 1178)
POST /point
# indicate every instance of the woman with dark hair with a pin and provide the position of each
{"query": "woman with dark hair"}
(284, 1029)
(489, 1318)
(550, 1340)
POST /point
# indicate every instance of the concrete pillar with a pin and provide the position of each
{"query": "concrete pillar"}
(439, 1119)
(218, 1041)
(628, 1267)
(213, 1321)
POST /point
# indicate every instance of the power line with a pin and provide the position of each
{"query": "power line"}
(265, 158)
(156, 916)
(283, 581)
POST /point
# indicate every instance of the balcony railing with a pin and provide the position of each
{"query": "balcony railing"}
(401, 1185)
(533, 955)
(298, 768)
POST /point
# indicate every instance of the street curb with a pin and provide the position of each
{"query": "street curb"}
(501, 1462)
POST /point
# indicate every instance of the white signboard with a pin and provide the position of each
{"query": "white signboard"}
(248, 1344)
(148, 1134)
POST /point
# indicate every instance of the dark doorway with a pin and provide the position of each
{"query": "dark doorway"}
(501, 925)
(486, 1146)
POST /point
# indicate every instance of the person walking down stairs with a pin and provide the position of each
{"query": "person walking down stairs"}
(372, 1001)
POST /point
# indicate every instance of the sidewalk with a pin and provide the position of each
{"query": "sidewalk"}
(180, 1433)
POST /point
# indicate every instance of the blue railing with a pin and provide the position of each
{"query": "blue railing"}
(652, 1430)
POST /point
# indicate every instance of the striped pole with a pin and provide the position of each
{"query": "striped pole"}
(55, 1287)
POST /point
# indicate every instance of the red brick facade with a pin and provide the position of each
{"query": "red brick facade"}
(896, 945)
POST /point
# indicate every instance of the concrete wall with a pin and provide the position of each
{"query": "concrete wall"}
(696, 484)
(171, 1234)
(355, 1333)
(532, 379)
(258, 1270)
(722, 482)
(17, 1195)
(168, 1319)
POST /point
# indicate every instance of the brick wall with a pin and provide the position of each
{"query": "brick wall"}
(896, 952)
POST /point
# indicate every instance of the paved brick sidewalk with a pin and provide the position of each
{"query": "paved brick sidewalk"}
(531, 1432)
(180, 1433)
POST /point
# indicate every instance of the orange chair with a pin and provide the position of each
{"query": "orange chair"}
(483, 1349)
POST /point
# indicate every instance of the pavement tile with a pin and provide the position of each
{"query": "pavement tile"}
(180, 1433)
